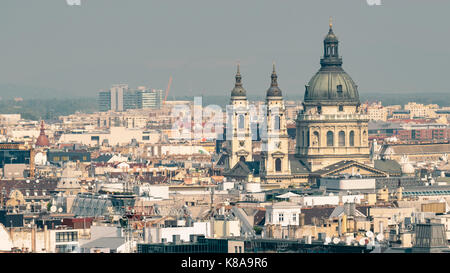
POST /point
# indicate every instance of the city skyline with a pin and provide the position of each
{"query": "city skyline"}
(84, 52)
(289, 128)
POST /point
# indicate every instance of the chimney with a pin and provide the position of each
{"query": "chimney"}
(33, 239)
(353, 209)
(302, 219)
(347, 209)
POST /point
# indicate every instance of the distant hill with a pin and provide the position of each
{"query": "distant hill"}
(47, 109)
(11, 91)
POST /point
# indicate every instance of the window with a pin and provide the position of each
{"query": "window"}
(341, 108)
(66, 236)
(145, 137)
(303, 138)
(352, 138)
(330, 139)
(278, 165)
(280, 217)
(276, 123)
(294, 217)
(316, 139)
(341, 138)
(97, 138)
(242, 158)
(241, 122)
(307, 139)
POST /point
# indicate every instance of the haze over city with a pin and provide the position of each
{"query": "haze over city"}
(208, 129)
(56, 50)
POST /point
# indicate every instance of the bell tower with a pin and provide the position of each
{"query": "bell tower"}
(275, 150)
(239, 121)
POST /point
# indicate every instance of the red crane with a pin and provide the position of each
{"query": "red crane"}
(167, 90)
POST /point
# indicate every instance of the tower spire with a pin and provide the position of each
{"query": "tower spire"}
(274, 76)
(238, 76)
(238, 90)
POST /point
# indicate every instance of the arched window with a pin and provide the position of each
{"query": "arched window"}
(341, 138)
(316, 139)
(276, 123)
(278, 165)
(241, 122)
(352, 138)
(330, 139)
(242, 158)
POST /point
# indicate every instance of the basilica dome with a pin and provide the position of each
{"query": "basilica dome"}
(331, 85)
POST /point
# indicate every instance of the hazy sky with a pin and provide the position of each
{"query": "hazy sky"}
(400, 46)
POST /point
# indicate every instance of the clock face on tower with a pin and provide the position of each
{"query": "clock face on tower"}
(242, 142)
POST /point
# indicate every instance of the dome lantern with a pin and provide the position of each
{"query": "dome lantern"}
(331, 85)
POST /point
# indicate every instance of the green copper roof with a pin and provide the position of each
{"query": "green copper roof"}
(331, 84)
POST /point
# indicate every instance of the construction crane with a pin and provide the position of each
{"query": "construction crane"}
(167, 90)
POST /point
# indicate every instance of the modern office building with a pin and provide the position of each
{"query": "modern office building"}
(104, 101)
(150, 99)
(121, 98)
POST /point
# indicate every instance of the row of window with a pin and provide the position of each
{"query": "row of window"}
(330, 139)
(69, 236)
(281, 217)
(65, 158)
(276, 122)
(27, 193)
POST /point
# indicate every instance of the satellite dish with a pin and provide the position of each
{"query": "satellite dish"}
(327, 240)
(60, 210)
(380, 237)
(53, 208)
(362, 241)
(336, 241)
(369, 234)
